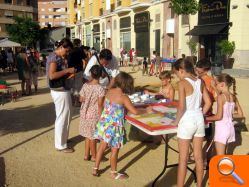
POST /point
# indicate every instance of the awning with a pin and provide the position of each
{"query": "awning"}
(207, 29)
(7, 43)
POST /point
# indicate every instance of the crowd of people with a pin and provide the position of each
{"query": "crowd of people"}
(75, 72)
(26, 63)
(80, 76)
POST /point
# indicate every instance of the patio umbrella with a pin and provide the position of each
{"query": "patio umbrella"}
(8, 43)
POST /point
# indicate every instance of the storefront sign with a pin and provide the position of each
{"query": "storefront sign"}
(142, 21)
(125, 22)
(212, 12)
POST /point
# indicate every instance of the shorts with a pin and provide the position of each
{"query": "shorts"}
(224, 132)
(191, 125)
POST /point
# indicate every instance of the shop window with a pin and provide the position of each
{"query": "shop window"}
(125, 40)
(8, 1)
(185, 20)
(29, 2)
(143, 44)
(125, 22)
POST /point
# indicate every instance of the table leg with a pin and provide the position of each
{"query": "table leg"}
(166, 140)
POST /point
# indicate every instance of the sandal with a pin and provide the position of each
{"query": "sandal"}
(119, 175)
(95, 172)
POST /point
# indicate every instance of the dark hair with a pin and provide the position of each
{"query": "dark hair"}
(76, 42)
(65, 43)
(96, 71)
(125, 82)
(105, 54)
(165, 75)
(204, 63)
(145, 58)
(183, 55)
(184, 64)
(154, 52)
(228, 80)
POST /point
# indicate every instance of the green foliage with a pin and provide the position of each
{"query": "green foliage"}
(24, 31)
(185, 7)
(192, 46)
(227, 47)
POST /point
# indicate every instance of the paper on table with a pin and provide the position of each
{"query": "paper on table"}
(166, 121)
(164, 109)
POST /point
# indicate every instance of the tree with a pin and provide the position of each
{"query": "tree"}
(185, 7)
(24, 31)
(192, 46)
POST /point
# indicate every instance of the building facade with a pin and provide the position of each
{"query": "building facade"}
(11, 8)
(53, 13)
(151, 25)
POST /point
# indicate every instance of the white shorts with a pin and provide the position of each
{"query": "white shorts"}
(191, 125)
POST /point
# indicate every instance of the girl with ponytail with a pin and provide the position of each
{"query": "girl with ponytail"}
(227, 107)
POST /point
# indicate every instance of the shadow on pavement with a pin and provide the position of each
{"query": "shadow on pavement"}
(2, 172)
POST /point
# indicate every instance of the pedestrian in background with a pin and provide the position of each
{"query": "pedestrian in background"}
(145, 66)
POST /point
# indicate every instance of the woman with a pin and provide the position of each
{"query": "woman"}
(57, 74)
(21, 62)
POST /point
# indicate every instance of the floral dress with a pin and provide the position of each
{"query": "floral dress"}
(89, 115)
(110, 127)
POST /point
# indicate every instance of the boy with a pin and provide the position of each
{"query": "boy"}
(202, 69)
(145, 66)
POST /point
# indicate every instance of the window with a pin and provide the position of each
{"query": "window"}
(8, 1)
(8, 13)
(19, 2)
(185, 19)
(28, 2)
(172, 13)
(125, 40)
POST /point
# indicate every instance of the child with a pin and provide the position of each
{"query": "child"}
(145, 66)
(92, 97)
(153, 61)
(110, 129)
(189, 118)
(166, 89)
(227, 102)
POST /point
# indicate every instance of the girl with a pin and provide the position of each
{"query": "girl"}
(166, 89)
(110, 129)
(227, 102)
(153, 61)
(189, 118)
(92, 97)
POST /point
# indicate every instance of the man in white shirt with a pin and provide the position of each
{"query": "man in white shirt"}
(108, 61)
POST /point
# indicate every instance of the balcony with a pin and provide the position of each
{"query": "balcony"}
(18, 8)
(170, 26)
(135, 4)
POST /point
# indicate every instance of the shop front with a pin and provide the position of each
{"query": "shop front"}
(142, 30)
(125, 33)
(213, 27)
(96, 36)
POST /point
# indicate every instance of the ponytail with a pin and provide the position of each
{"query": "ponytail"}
(234, 87)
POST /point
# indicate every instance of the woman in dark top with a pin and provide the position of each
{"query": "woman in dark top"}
(57, 74)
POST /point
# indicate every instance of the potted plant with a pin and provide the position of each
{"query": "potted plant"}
(227, 49)
(193, 49)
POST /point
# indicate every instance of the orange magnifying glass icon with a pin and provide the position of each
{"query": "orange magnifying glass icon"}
(226, 167)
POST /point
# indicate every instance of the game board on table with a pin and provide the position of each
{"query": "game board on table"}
(161, 119)
(140, 99)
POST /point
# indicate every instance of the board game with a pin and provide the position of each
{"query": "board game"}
(161, 119)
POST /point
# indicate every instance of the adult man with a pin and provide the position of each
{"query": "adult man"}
(76, 59)
(109, 63)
